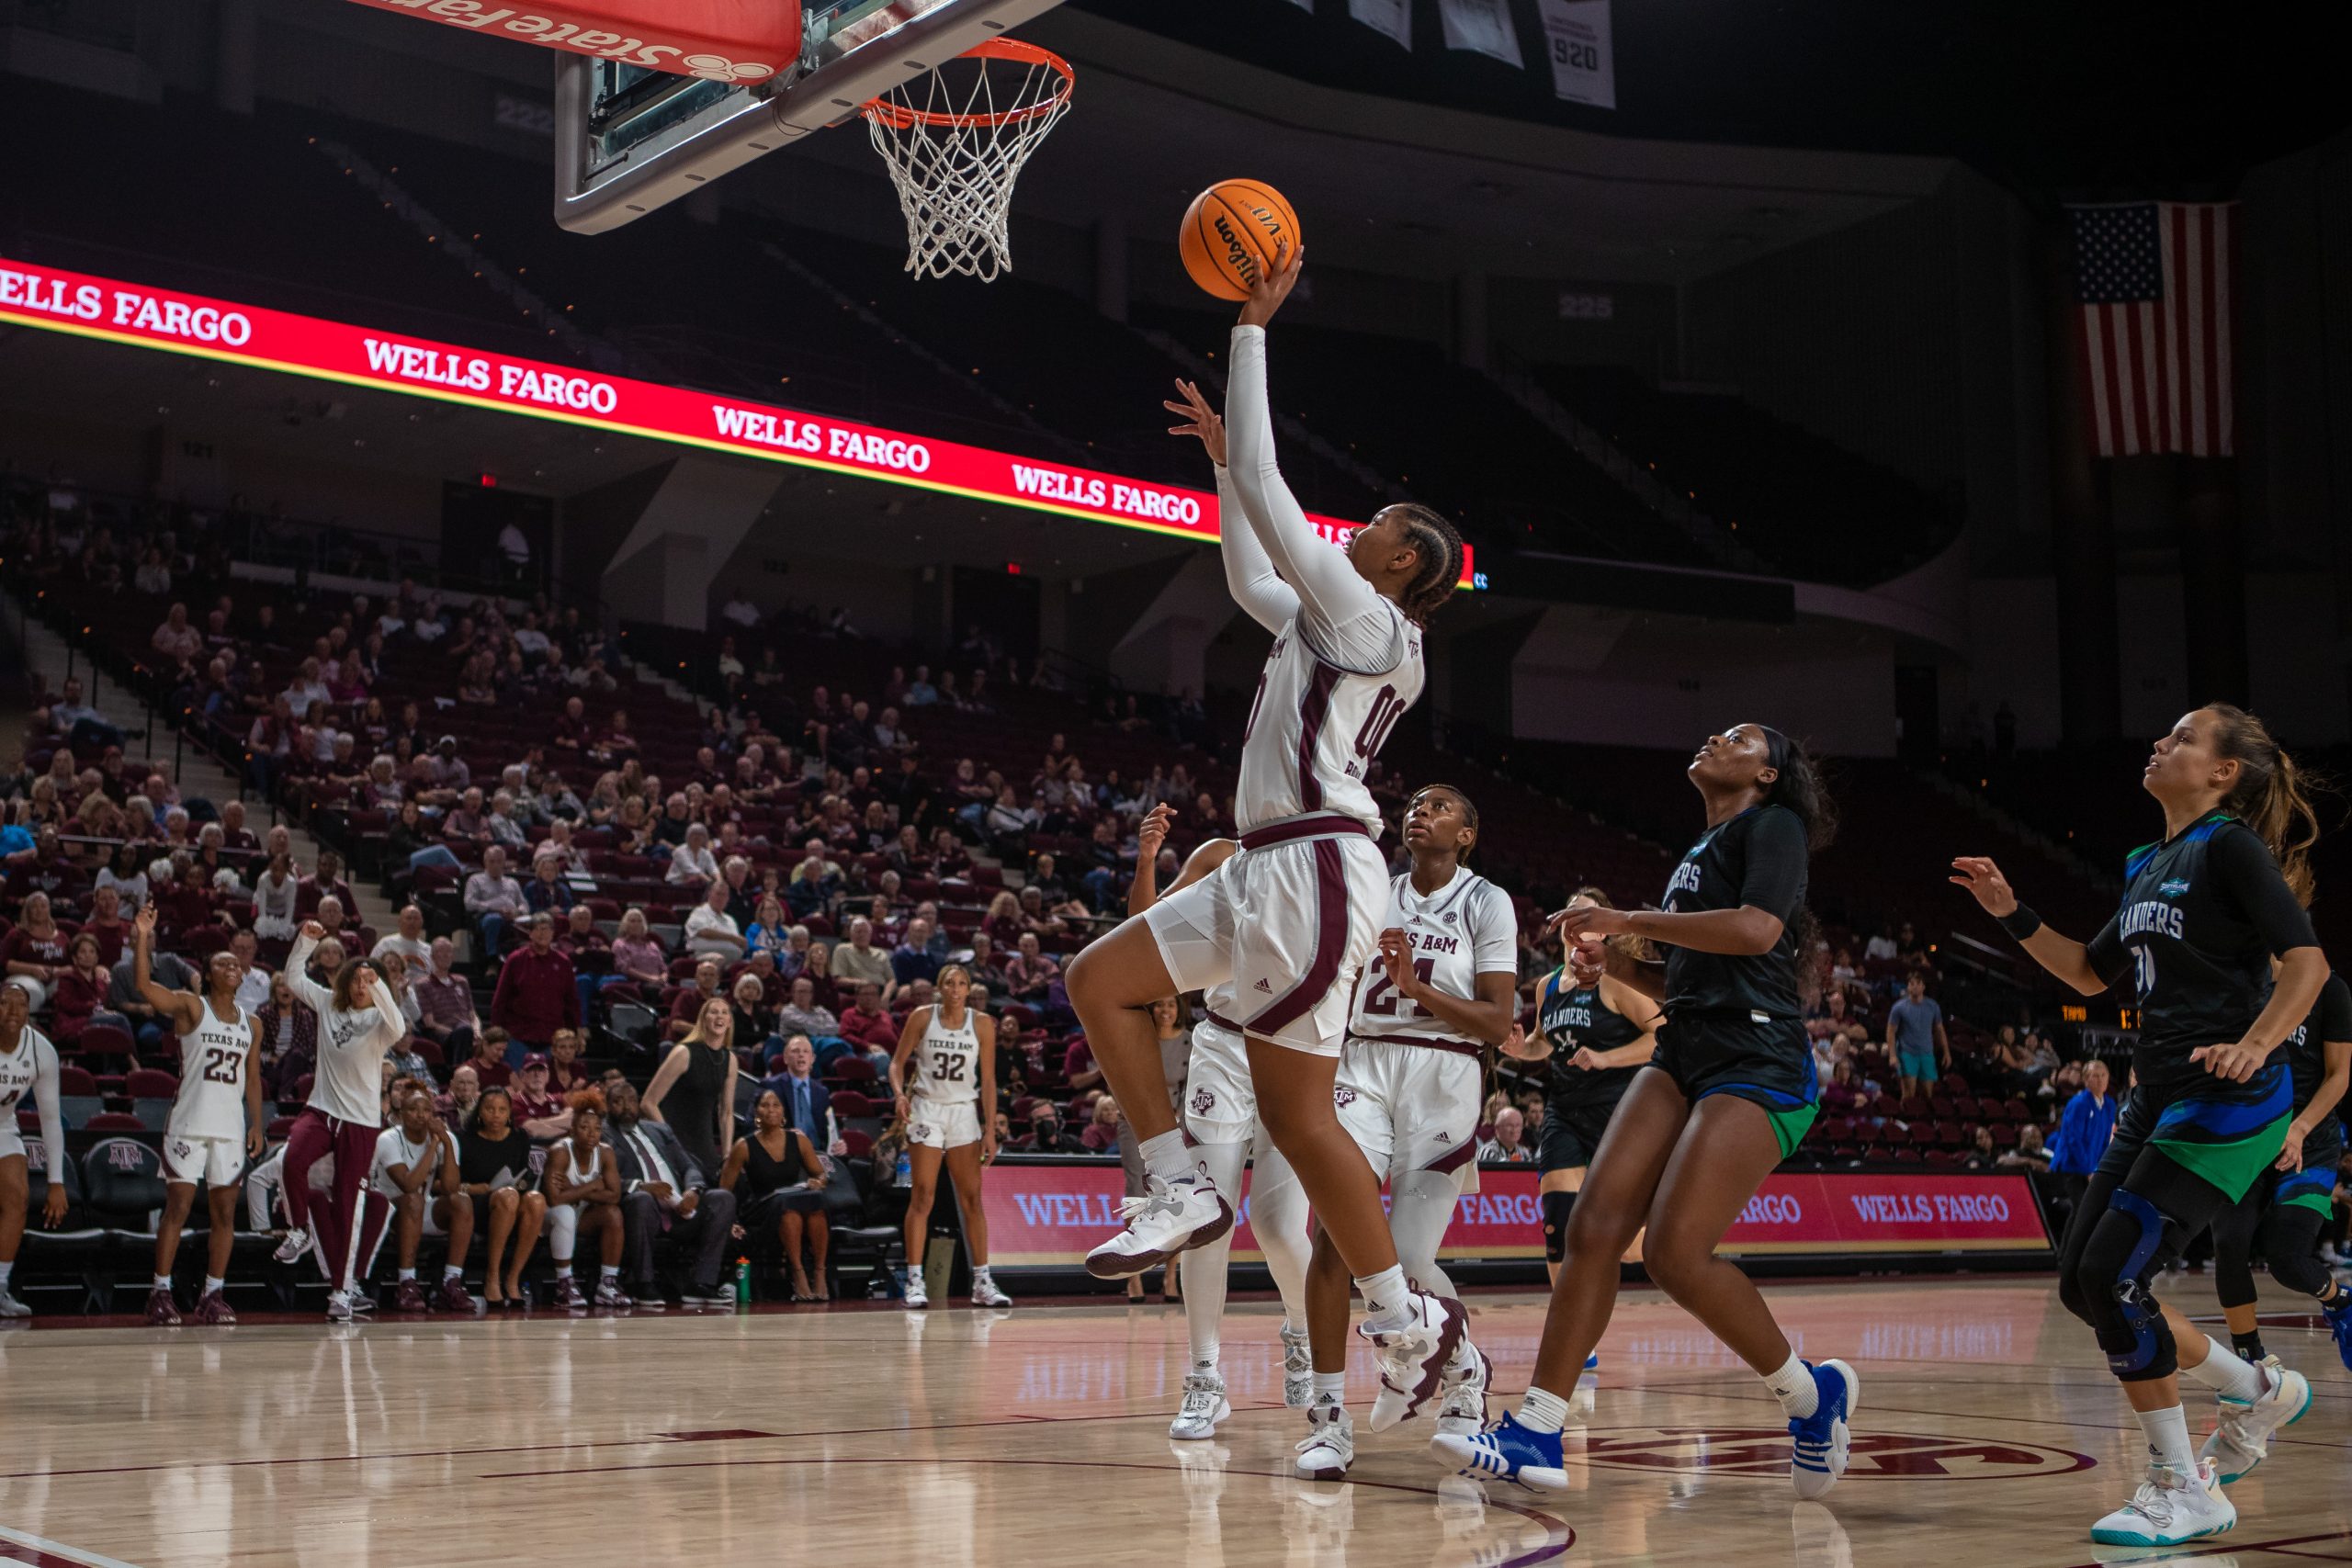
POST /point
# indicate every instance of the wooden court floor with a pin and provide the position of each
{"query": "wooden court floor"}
(1990, 1435)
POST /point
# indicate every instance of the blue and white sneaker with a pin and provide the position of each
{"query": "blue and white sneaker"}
(2242, 1438)
(1592, 1362)
(1817, 1442)
(1505, 1452)
(2339, 1323)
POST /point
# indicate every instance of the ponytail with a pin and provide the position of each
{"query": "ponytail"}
(2273, 796)
(1799, 787)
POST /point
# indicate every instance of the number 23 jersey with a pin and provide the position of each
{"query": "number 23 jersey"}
(1466, 928)
(213, 1063)
(947, 1061)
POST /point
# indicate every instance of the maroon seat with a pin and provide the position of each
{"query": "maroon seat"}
(850, 1102)
(115, 1122)
(851, 1069)
(150, 1083)
(857, 1141)
(74, 1080)
(103, 1040)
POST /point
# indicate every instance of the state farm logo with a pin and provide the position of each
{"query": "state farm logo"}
(1874, 1456)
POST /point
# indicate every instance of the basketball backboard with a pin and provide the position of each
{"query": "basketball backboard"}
(630, 140)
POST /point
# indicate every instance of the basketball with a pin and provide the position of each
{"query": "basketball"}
(1229, 235)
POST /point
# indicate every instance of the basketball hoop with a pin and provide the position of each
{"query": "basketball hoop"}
(956, 147)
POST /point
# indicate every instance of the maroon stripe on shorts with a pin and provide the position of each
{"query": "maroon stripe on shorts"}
(1321, 825)
(1313, 708)
(1456, 1047)
(1459, 1155)
(1225, 1023)
(1330, 945)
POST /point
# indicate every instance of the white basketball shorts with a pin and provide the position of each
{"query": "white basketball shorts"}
(216, 1162)
(1411, 1108)
(1220, 1103)
(942, 1127)
(1290, 926)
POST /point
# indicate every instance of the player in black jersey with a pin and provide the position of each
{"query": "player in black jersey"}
(1723, 1100)
(1597, 1036)
(2282, 1211)
(2205, 912)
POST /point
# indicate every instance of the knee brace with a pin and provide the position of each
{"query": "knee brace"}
(1557, 1206)
(2117, 1264)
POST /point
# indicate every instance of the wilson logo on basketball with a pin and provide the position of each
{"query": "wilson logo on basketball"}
(1240, 258)
(1763, 1451)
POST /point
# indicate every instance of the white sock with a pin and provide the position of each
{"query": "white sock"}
(563, 1265)
(1167, 1158)
(2168, 1431)
(408, 1274)
(1542, 1412)
(451, 1270)
(2226, 1373)
(1332, 1386)
(1207, 1368)
(1792, 1386)
(608, 1271)
(980, 1270)
(1384, 1293)
(6, 1269)
(162, 1281)
(212, 1285)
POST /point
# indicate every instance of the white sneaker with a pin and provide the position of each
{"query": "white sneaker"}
(11, 1307)
(2169, 1507)
(2243, 1439)
(984, 1291)
(1462, 1408)
(1330, 1446)
(918, 1291)
(1414, 1353)
(1204, 1405)
(1298, 1368)
(1171, 1217)
(297, 1243)
(338, 1307)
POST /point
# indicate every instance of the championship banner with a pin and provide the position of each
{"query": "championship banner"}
(1576, 37)
(1482, 27)
(110, 311)
(1393, 18)
(1049, 1215)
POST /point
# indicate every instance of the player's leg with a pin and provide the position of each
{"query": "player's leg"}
(454, 1212)
(965, 1168)
(820, 1243)
(408, 1233)
(2233, 1233)
(1556, 1194)
(506, 1206)
(530, 1219)
(179, 1201)
(310, 1140)
(16, 1189)
(221, 1203)
(1278, 1218)
(1330, 1446)
(611, 1233)
(563, 1239)
(1204, 1403)
(2290, 1241)
(923, 1187)
(1524, 1444)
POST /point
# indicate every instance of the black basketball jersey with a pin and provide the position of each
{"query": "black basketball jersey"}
(2331, 1019)
(1567, 1018)
(2202, 916)
(1757, 857)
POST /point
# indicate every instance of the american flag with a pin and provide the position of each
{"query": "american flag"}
(2152, 280)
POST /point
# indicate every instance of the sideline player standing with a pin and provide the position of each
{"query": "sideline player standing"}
(1597, 1036)
(1291, 919)
(943, 1076)
(2205, 911)
(27, 1067)
(1445, 989)
(215, 1124)
(1221, 1115)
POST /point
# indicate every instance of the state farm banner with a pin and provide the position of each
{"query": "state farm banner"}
(111, 310)
(1050, 1214)
(719, 40)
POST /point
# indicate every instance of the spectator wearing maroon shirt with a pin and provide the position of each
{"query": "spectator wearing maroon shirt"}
(35, 953)
(187, 902)
(1078, 1067)
(1031, 973)
(543, 1114)
(108, 926)
(567, 1071)
(489, 1061)
(80, 991)
(869, 1025)
(688, 1008)
(538, 990)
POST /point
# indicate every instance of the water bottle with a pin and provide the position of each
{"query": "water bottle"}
(742, 1284)
(906, 1177)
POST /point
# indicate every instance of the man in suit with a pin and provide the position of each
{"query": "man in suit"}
(662, 1192)
(806, 1102)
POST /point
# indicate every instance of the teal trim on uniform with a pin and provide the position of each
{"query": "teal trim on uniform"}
(2232, 1166)
(2317, 1202)
(1791, 1126)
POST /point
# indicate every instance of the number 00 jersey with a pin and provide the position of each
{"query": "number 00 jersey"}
(1316, 725)
(946, 1065)
(211, 1102)
(1466, 928)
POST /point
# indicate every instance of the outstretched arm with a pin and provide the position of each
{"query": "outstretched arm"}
(2069, 959)
(298, 979)
(1248, 574)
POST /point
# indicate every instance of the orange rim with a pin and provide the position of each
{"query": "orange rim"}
(901, 117)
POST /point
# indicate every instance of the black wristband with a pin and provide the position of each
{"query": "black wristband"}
(2019, 922)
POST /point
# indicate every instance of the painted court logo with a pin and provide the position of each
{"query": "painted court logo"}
(1763, 1451)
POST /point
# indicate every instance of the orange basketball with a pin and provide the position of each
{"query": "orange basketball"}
(1229, 235)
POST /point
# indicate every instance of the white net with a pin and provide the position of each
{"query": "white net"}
(955, 139)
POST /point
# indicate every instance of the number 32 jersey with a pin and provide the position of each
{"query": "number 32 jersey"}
(947, 1061)
(213, 1065)
(1466, 928)
(1317, 722)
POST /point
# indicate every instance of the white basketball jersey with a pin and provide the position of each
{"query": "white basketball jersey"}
(392, 1148)
(213, 1063)
(1466, 928)
(947, 1061)
(33, 1059)
(1315, 727)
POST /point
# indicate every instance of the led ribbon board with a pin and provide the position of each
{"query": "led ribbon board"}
(110, 311)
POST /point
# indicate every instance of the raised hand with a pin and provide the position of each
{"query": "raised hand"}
(1273, 286)
(142, 925)
(313, 930)
(1199, 420)
(1985, 881)
(1152, 831)
(1396, 958)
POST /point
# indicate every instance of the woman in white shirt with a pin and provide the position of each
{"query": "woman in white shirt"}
(275, 893)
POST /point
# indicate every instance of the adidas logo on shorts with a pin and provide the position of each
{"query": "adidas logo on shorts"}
(1266, 987)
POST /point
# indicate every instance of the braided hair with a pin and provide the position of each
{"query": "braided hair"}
(1439, 544)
